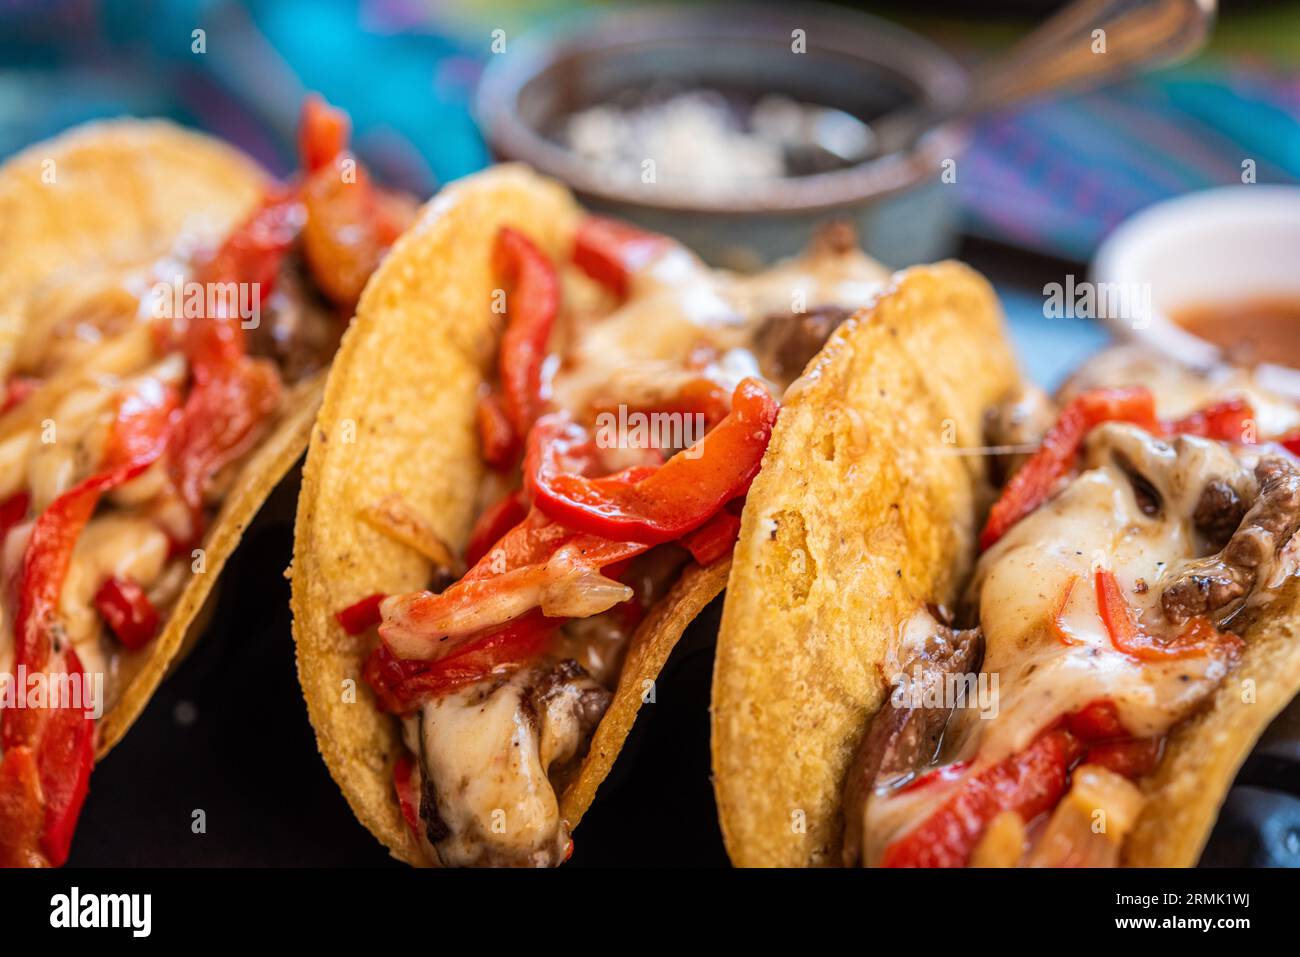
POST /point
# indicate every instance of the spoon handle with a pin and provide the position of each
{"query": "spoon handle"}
(1089, 43)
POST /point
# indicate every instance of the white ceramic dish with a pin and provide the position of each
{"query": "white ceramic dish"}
(1221, 245)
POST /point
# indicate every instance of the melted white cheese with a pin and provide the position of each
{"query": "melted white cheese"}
(677, 305)
(1094, 522)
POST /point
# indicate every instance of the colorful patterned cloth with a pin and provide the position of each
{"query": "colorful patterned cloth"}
(1054, 177)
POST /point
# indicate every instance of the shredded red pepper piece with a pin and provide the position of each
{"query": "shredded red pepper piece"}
(350, 222)
(1028, 783)
(1059, 626)
(501, 444)
(1198, 637)
(495, 521)
(1109, 742)
(17, 391)
(12, 511)
(715, 539)
(1227, 421)
(401, 685)
(676, 499)
(611, 252)
(361, 616)
(232, 395)
(1037, 479)
(406, 796)
(533, 302)
(255, 251)
(323, 132)
(65, 755)
(1133, 758)
(126, 608)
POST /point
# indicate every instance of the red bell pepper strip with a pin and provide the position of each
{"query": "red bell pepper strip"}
(1109, 743)
(126, 608)
(949, 772)
(1198, 637)
(350, 222)
(232, 394)
(700, 396)
(1038, 478)
(507, 581)
(1060, 627)
(322, 133)
(64, 756)
(350, 226)
(533, 302)
(496, 520)
(1029, 783)
(17, 390)
(715, 539)
(361, 616)
(677, 498)
(12, 511)
(501, 444)
(611, 252)
(1096, 721)
(406, 796)
(255, 251)
(1226, 421)
(401, 686)
(1133, 758)
(429, 626)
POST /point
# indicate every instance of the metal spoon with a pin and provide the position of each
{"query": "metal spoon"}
(1088, 44)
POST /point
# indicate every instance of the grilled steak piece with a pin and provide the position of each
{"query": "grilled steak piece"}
(901, 739)
(1214, 583)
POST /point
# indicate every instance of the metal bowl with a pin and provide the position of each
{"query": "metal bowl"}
(859, 64)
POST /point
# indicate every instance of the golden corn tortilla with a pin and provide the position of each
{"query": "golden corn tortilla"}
(118, 195)
(865, 506)
(399, 417)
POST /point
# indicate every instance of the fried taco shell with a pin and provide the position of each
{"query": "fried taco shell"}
(87, 214)
(399, 418)
(869, 494)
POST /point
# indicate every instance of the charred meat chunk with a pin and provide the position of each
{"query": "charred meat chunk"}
(1219, 511)
(1212, 584)
(900, 740)
(787, 341)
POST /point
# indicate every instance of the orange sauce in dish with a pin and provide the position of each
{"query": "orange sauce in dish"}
(1249, 331)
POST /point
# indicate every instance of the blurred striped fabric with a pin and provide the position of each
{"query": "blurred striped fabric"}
(1053, 177)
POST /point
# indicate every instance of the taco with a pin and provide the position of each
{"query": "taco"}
(525, 481)
(1081, 696)
(166, 313)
